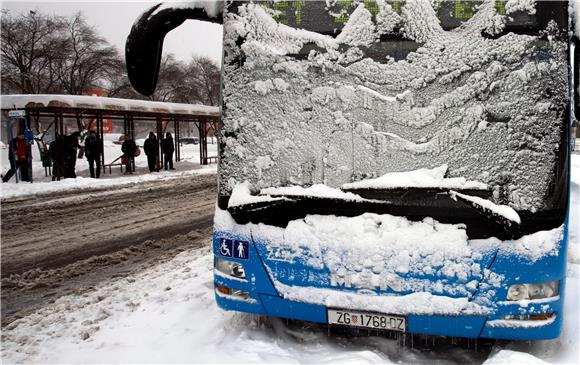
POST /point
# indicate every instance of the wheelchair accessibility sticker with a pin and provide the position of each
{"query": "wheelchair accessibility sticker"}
(234, 248)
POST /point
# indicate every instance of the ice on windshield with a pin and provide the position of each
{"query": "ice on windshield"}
(303, 108)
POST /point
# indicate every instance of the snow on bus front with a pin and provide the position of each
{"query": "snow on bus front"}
(374, 148)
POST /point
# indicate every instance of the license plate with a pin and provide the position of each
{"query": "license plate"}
(367, 320)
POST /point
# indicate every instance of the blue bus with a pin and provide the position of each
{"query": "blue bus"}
(391, 165)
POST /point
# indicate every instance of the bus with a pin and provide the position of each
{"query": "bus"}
(389, 165)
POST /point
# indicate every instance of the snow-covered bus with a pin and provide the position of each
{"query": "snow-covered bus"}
(397, 165)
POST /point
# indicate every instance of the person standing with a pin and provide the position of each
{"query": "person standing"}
(56, 152)
(13, 165)
(128, 148)
(168, 149)
(151, 148)
(22, 157)
(71, 146)
(93, 151)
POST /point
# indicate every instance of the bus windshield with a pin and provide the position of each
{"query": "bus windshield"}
(378, 98)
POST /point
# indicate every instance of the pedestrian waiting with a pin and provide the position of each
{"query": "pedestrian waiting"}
(168, 148)
(151, 148)
(71, 147)
(18, 157)
(56, 152)
(129, 149)
(93, 152)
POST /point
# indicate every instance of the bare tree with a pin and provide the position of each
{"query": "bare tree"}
(203, 78)
(27, 44)
(50, 54)
(85, 59)
(171, 83)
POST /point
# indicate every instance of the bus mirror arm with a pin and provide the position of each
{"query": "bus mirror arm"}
(144, 45)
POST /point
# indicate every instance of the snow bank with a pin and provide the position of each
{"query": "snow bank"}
(188, 166)
(85, 183)
(510, 357)
(421, 178)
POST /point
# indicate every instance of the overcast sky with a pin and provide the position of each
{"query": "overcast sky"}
(113, 21)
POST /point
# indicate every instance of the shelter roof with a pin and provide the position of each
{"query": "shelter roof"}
(39, 101)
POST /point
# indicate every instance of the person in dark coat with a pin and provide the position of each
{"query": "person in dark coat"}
(71, 146)
(56, 152)
(93, 151)
(168, 148)
(129, 148)
(151, 148)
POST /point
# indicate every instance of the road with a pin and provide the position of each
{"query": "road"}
(68, 242)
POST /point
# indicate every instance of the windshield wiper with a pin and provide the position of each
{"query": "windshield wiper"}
(480, 223)
(507, 221)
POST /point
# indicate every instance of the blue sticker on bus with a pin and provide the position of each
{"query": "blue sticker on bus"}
(226, 247)
(241, 249)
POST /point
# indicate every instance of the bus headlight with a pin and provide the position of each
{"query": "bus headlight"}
(230, 268)
(533, 291)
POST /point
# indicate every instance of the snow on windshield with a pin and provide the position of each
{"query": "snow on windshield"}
(422, 178)
(303, 108)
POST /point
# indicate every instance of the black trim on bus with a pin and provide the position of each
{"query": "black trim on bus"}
(411, 204)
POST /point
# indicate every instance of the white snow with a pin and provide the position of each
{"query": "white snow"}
(421, 178)
(188, 166)
(379, 244)
(316, 191)
(241, 195)
(510, 357)
(459, 99)
(501, 210)
(140, 321)
(528, 6)
(536, 245)
(95, 102)
(13, 190)
(417, 303)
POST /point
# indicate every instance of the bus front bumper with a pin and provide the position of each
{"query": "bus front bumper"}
(496, 326)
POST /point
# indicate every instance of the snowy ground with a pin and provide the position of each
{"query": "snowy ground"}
(167, 314)
(189, 165)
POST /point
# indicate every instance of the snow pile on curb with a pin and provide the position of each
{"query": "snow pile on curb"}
(84, 183)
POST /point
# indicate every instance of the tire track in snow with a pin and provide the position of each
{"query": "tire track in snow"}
(49, 233)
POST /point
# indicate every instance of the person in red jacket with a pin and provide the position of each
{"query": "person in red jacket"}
(18, 152)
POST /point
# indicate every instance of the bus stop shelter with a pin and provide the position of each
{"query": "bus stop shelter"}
(90, 112)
